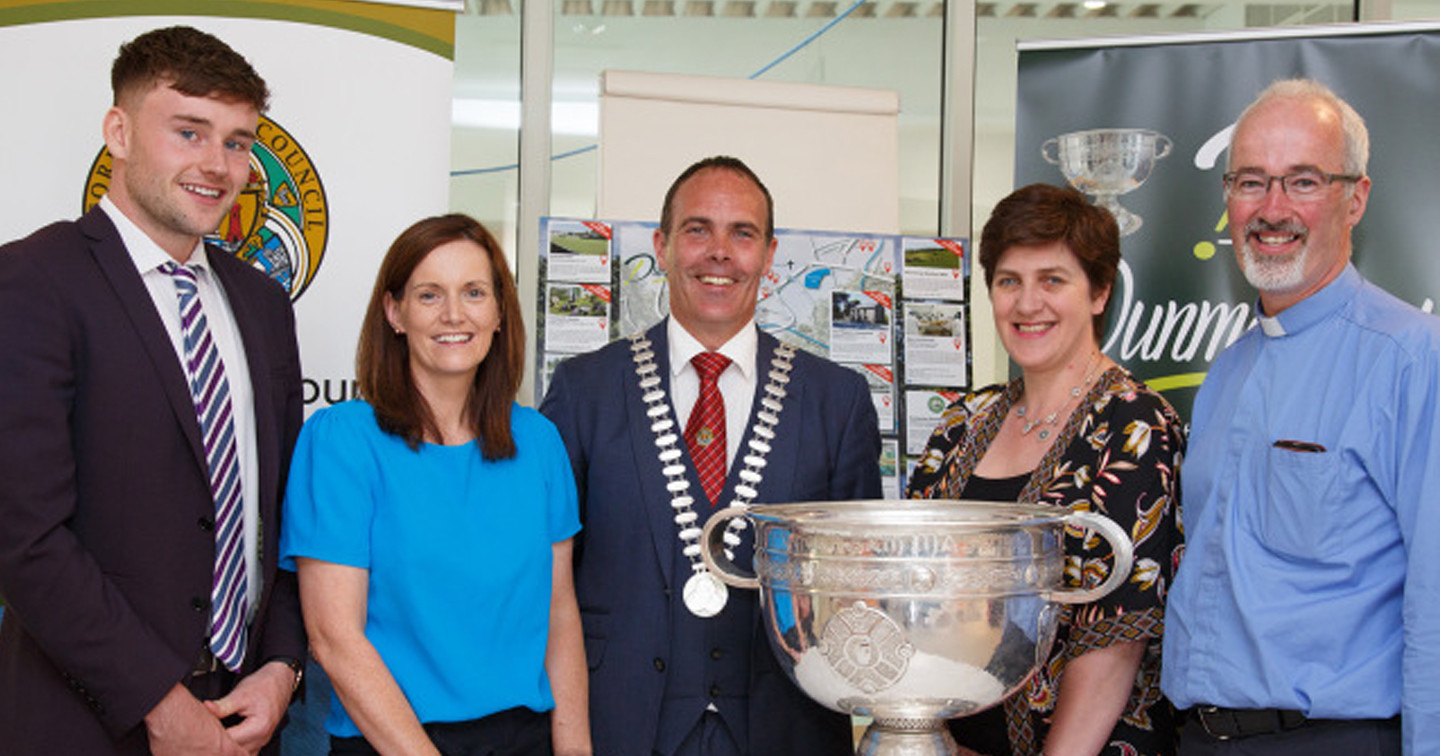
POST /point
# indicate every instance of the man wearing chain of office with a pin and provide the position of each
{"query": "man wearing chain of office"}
(663, 428)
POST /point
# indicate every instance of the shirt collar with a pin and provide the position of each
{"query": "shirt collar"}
(143, 250)
(1314, 308)
(740, 348)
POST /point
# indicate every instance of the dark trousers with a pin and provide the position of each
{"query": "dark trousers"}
(709, 738)
(513, 732)
(1350, 737)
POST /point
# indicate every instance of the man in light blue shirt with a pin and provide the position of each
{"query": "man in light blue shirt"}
(1306, 614)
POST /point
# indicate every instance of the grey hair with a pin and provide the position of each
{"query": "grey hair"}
(1357, 136)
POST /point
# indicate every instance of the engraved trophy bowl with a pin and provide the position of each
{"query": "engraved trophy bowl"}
(1106, 163)
(911, 612)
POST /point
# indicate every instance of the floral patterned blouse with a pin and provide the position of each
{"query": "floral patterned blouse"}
(1118, 455)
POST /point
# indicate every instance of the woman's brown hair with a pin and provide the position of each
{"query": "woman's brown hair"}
(382, 363)
(1041, 214)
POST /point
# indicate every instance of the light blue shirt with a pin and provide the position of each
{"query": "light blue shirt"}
(458, 551)
(1311, 579)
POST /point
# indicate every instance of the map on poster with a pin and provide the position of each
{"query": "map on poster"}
(814, 278)
(841, 296)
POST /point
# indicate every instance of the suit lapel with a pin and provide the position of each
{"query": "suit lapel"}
(115, 264)
(775, 485)
(659, 516)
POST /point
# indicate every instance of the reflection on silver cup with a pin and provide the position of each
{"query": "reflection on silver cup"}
(911, 612)
(1106, 163)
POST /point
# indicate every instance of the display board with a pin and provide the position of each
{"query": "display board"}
(829, 155)
(891, 308)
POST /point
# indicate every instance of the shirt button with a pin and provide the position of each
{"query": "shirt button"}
(659, 664)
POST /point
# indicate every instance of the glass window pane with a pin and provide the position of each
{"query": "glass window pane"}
(885, 45)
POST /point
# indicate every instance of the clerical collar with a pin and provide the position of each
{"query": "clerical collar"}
(741, 348)
(1314, 308)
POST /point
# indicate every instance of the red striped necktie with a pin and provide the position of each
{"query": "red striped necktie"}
(705, 430)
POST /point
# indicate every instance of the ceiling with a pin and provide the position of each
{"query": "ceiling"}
(1266, 13)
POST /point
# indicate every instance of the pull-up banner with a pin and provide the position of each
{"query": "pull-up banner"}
(355, 146)
(1142, 125)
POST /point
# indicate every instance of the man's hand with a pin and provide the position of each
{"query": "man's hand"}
(259, 700)
(181, 726)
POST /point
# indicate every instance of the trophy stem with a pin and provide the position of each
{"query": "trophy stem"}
(907, 737)
(1128, 222)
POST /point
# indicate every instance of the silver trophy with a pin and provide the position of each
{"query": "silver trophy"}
(911, 612)
(1106, 163)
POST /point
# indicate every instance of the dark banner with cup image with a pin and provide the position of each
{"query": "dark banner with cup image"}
(1142, 126)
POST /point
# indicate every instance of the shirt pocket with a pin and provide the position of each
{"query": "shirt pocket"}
(1298, 519)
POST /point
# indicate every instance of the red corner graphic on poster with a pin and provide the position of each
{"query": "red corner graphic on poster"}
(954, 246)
(598, 290)
(950, 397)
(881, 297)
(883, 371)
(599, 228)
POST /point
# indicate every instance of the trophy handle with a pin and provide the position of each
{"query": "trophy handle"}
(1162, 146)
(1119, 544)
(712, 550)
(1050, 150)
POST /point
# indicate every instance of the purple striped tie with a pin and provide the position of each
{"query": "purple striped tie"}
(211, 393)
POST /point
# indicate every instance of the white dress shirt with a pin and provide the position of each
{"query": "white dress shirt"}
(148, 257)
(737, 382)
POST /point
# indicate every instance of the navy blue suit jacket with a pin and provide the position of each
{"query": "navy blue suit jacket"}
(106, 516)
(827, 447)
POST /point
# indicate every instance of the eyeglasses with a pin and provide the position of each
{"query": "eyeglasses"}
(1301, 186)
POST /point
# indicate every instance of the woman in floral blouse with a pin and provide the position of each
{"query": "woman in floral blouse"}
(1079, 432)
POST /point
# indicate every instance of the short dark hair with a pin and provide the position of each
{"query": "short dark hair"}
(1041, 214)
(382, 362)
(722, 162)
(191, 62)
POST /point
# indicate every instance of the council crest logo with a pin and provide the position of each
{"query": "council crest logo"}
(281, 220)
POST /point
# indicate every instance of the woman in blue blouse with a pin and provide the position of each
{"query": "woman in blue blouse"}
(431, 522)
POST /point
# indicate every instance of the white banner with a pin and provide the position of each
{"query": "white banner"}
(355, 148)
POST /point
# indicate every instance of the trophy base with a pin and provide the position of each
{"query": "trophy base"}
(907, 737)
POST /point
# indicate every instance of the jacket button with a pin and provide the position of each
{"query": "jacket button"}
(199, 604)
(716, 653)
(714, 691)
(206, 524)
(659, 664)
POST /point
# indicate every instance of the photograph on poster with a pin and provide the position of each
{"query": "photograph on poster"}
(935, 353)
(923, 408)
(860, 326)
(579, 251)
(577, 317)
(934, 268)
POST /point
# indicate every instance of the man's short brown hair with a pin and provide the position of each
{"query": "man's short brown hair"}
(189, 61)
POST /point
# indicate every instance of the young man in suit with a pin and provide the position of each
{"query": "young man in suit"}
(676, 667)
(150, 402)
